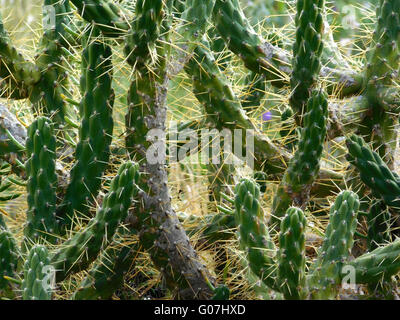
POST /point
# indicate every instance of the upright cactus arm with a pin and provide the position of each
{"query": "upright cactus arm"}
(338, 242)
(383, 57)
(143, 35)
(46, 95)
(292, 255)
(105, 14)
(307, 51)
(35, 285)
(16, 72)
(378, 265)
(304, 167)
(42, 223)
(95, 134)
(82, 249)
(383, 183)
(262, 57)
(254, 236)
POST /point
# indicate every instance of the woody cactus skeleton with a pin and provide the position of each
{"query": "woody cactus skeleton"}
(59, 197)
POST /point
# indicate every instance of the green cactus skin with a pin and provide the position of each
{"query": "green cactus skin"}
(336, 248)
(95, 134)
(34, 285)
(144, 34)
(378, 265)
(291, 255)
(253, 233)
(107, 274)
(382, 67)
(304, 166)
(78, 252)
(18, 71)
(383, 183)
(307, 51)
(46, 95)
(9, 256)
(383, 58)
(378, 221)
(42, 223)
(196, 20)
(106, 15)
(221, 293)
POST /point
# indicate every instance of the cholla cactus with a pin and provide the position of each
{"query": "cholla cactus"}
(92, 156)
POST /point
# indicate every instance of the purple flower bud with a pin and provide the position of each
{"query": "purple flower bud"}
(267, 116)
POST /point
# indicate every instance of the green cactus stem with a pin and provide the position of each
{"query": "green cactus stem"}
(106, 15)
(16, 71)
(338, 242)
(383, 183)
(42, 223)
(378, 265)
(107, 274)
(37, 281)
(254, 236)
(307, 51)
(81, 250)
(95, 134)
(292, 256)
(304, 167)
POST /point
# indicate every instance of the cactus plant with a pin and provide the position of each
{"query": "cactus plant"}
(114, 228)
